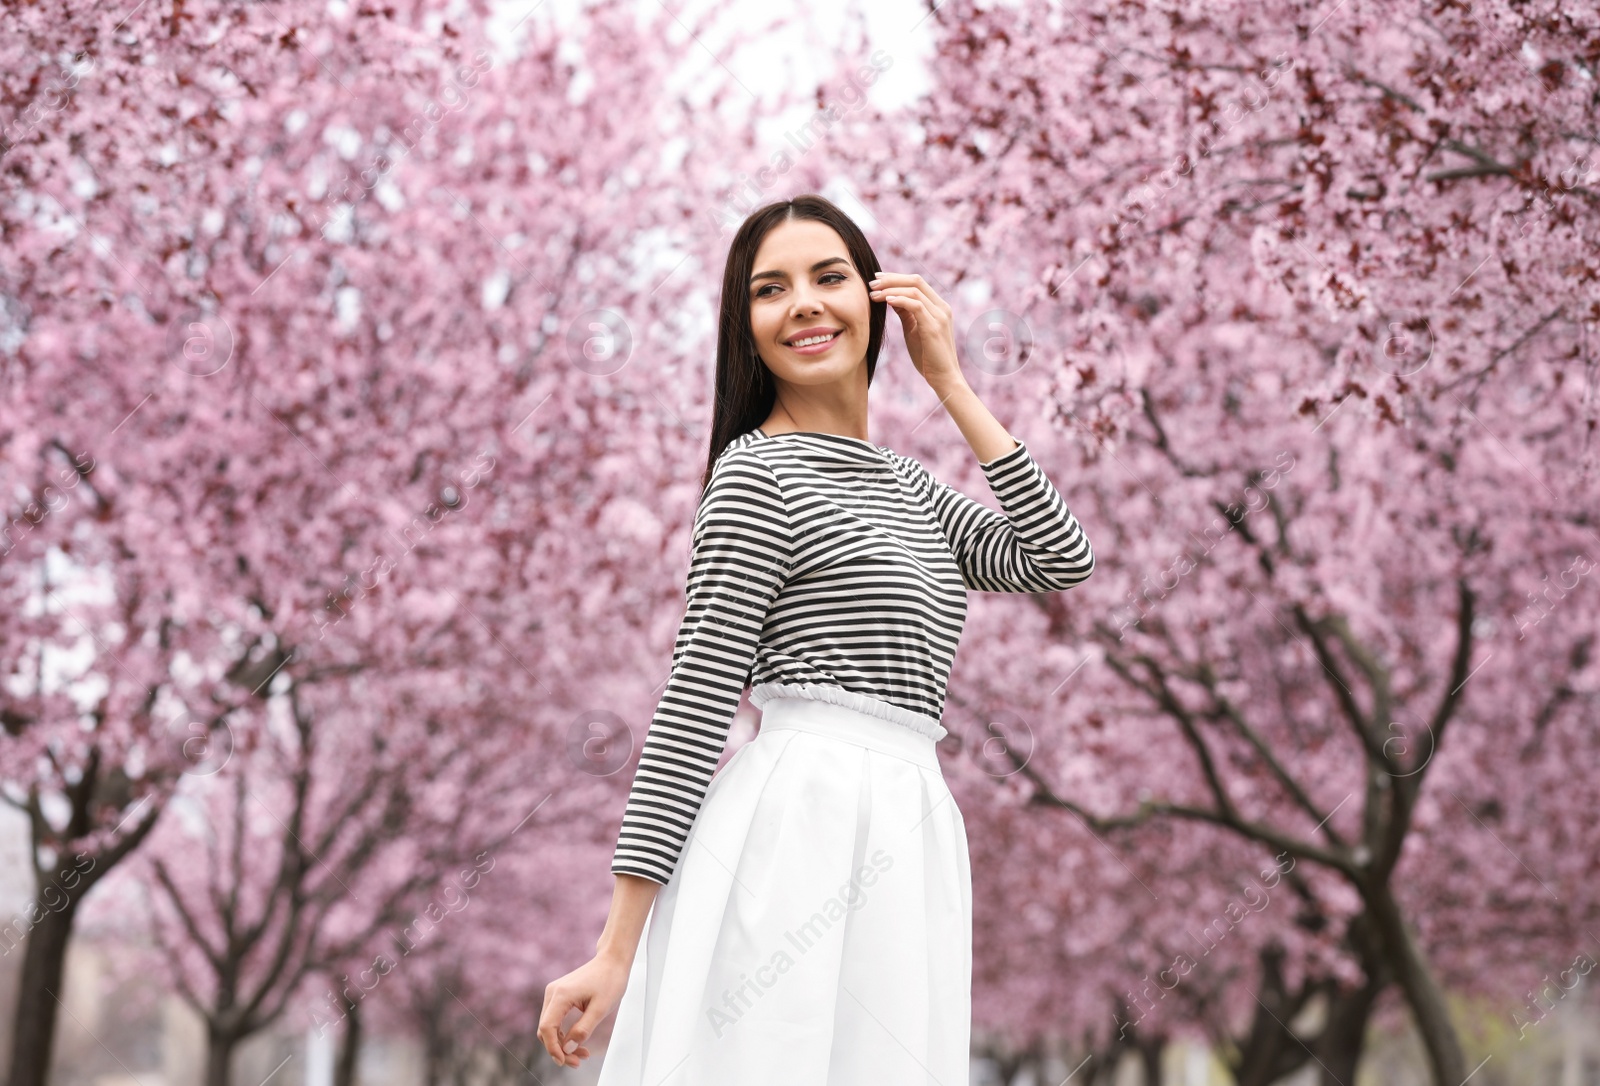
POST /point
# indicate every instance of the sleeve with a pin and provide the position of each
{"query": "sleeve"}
(1037, 545)
(742, 552)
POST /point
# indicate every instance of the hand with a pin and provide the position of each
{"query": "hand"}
(928, 325)
(595, 988)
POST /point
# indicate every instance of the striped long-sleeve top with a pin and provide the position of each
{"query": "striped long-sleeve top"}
(828, 561)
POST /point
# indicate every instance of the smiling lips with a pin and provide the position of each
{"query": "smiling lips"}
(813, 340)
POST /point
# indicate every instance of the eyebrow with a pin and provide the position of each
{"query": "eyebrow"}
(818, 266)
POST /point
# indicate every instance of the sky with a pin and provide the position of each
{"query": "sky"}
(796, 56)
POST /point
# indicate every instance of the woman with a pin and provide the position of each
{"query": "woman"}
(814, 919)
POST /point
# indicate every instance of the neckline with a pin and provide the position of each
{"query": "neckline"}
(817, 433)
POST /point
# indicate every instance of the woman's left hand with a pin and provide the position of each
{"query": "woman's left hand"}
(928, 324)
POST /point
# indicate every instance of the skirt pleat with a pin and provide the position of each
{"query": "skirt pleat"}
(817, 930)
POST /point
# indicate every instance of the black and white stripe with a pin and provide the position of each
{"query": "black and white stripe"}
(819, 558)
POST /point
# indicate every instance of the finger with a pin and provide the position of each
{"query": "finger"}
(916, 306)
(556, 1005)
(931, 295)
(893, 300)
(571, 1059)
(908, 316)
(906, 279)
(891, 280)
(569, 1048)
(919, 293)
(584, 1026)
(903, 282)
(880, 289)
(885, 293)
(547, 1037)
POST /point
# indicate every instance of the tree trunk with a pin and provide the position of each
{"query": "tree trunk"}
(434, 1052)
(1423, 994)
(1103, 1063)
(219, 1057)
(1344, 1035)
(344, 1072)
(44, 959)
(1150, 1049)
(1270, 1051)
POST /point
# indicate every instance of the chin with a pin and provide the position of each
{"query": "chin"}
(819, 374)
(836, 364)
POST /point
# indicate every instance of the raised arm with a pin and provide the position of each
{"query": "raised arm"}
(1036, 545)
(743, 547)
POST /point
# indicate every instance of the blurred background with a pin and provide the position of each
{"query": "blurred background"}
(358, 362)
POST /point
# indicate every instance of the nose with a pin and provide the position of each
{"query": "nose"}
(804, 301)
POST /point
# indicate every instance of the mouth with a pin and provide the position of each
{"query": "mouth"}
(813, 342)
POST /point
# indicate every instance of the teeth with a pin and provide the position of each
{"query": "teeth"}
(813, 339)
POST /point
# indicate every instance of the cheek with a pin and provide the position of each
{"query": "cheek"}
(861, 316)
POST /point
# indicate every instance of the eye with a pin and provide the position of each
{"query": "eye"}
(837, 276)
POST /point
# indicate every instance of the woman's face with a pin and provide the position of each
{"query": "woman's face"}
(805, 286)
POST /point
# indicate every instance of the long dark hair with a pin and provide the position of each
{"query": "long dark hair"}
(745, 389)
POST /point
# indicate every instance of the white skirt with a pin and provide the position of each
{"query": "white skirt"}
(817, 930)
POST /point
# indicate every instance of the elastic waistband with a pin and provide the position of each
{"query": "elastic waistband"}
(921, 723)
(848, 726)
